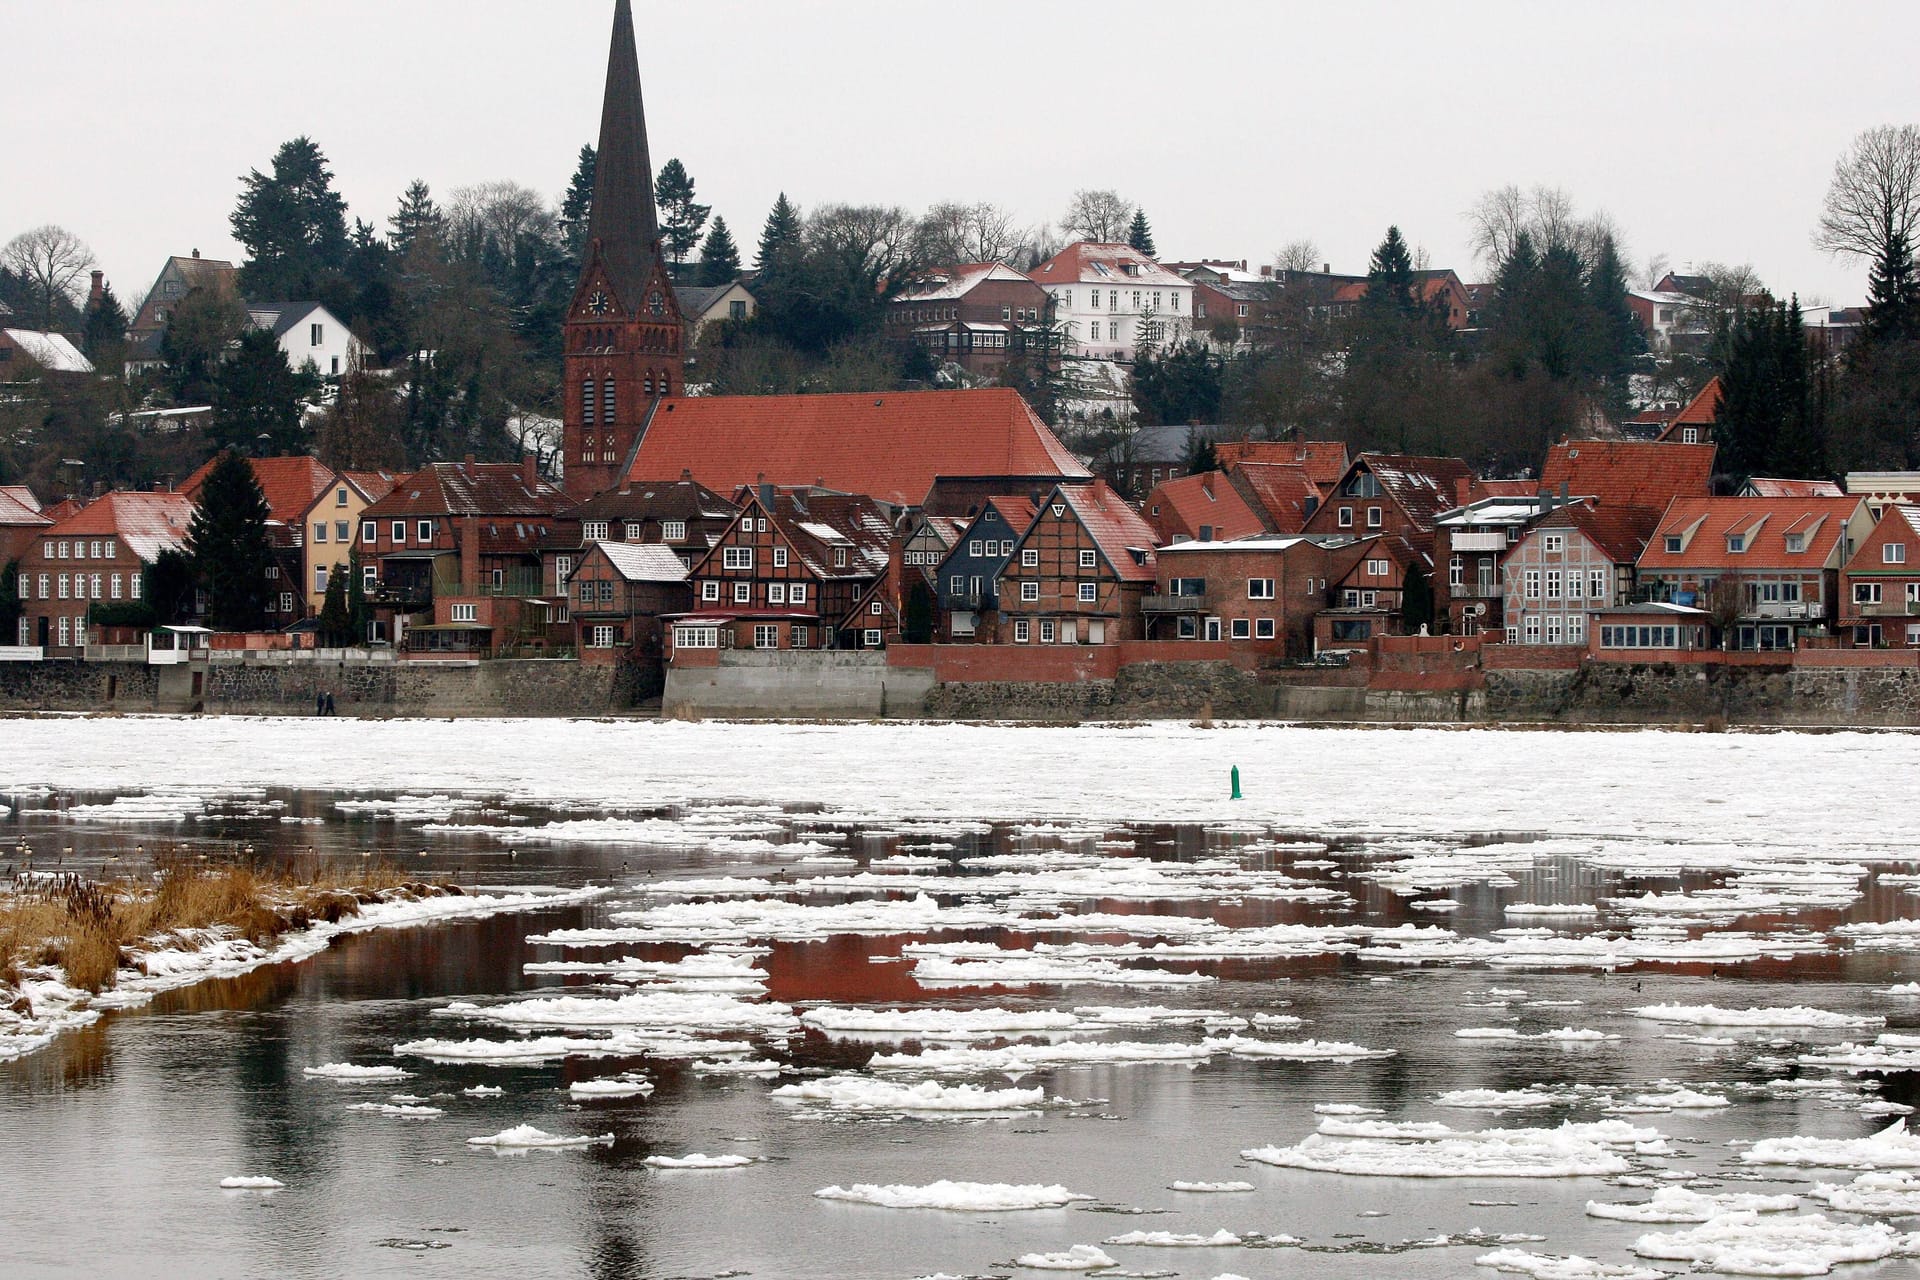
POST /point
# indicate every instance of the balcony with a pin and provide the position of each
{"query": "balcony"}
(1495, 541)
(1176, 604)
(506, 582)
(1477, 591)
(1798, 610)
(1889, 609)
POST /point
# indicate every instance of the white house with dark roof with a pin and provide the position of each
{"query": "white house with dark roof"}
(310, 334)
(1113, 298)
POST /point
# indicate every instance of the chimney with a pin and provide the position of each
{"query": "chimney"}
(765, 490)
(99, 286)
(196, 253)
(530, 471)
(686, 473)
(470, 553)
(1326, 268)
(469, 460)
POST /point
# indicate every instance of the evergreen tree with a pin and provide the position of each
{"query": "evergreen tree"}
(417, 218)
(1617, 336)
(258, 399)
(1416, 599)
(1200, 454)
(198, 335)
(1140, 234)
(1770, 421)
(293, 225)
(227, 538)
(681, 219)
(576, 210)
(1509, 315)
(1390, 274)
(170, 584)
(1184, 384)
(105, 334)
(359, 612)
(916, 627)
(1893, 294)
(10, 606)
(336, 620)
(779, 238)
(719, 258)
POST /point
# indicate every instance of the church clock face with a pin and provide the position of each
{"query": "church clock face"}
(656, 303)
(599, 303)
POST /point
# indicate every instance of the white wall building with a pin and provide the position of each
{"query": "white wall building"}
(308, 332)
(1113, 298)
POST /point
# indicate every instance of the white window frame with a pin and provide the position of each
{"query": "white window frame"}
(1089, 559)
(779, 558)
(1531, 579)
(1030, 558)
(1022, 631)
(736, 557)
(463, 613)
(1240, 629)
(776, 593)
(1263, 629)
(1047, 631)
(797, 593)
(1029, 591)
(1344, 518)
(710, 589)
(1260, 588)
(1088, 593)
(1893, 553)
(766, 635)
(743, 592)
(871, 639)
(673, 530)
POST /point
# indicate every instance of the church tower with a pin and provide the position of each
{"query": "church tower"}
(623, 333)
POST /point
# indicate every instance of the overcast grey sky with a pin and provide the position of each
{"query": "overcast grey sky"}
(1708, 130)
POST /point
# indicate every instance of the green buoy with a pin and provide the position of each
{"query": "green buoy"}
(1236, 782)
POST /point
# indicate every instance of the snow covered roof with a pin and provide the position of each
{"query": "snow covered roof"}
(145, 523)
(15, 512)
(1261, 542)
(50, 351)
(644, 561)
(949, 284)
(1663, 298)
(824, 532)
(1115, 264)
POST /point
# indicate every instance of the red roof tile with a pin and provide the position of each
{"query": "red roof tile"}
(373, 485)
(889, 445)
(1775, 487)
(1701, 411)
(1621, 532)
(289, 483)
(18, 514)
(1703, 524)
(1325, 461)
(1284, 494)
(145, 523)
(1104, 264)
(1629, 473)
(1116, 528)
(1206, 499)
(470, 488)
(1424, 487)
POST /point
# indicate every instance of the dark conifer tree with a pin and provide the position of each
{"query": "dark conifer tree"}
(719, 257)
(1140, 234)
(227, 538)
(779, 238)
(1893, 294)
(681, 218)
(417, 217)
(258, 399)
(336, 620)
(293, 225)
(105, 334)
(577, 208)
(1390, 274)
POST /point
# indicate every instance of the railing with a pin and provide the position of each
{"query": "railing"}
(964, 599)
(1474, 591)
(513, 582)
(1889, 609)
(1781, 609)
(1495, 541)
(116, 653)
(1176, 604)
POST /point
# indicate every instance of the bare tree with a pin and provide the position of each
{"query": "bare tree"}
(1298, 255)
(1875, 193)
(1039, 244)
(1655, 271)
(1100, 216)
(1552, 217)
(880, 244)
(1495, 221)
(983, 232)
(495, 215)
(51, 261)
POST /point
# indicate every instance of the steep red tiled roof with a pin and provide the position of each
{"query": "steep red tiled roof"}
(58, 511)
(1629, 473)
(18, 514)
(145, 523)
(1103, 264)
(1701, 411)
(1282, 493)
(289, 483)
(1704, 523)
(889, 445)
(1205, 499)
(1017, 511)
(470, 488)
(1621, 532)
(374, 485)
(1324, 461)
(1424, 487)
(1115, 527)
(814, 522)
(1775, 487)
(21, 494)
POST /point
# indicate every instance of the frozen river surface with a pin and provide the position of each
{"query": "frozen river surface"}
(897, 1001)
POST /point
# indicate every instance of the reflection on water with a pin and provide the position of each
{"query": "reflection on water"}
(117, 1137)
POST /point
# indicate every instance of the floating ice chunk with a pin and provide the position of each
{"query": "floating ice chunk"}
(1885, 1195)
(736, 1067)
(1345, 1109)
(1683, 1100)
(1221, 1239)
(863, 1093)
(1543, 1266)
(698, 1161)
(158, 807)
(251, 1183)
(484, 1091)
(1082, 1257)
(1296, 1050)
(532, 1049)
(1678, 1204)
(1022, 1059)
(1520, 1154)
(1706, 1015)
(397, 1109)
(1496, 1099)
(1747, 1244)
(612, 1087)
(1210, 1188)
(436, 808)
(1144, 1015)
(353, 1071)
(935, 1024)
(692, 969)
(962, 1197)
(1891, 1148)
(654, 1010)
(1901, 989)
(525, 1135)
(1564, 1035)
(1568, 909)
(1027, 969)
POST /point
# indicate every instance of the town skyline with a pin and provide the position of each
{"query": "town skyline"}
(1687, 192)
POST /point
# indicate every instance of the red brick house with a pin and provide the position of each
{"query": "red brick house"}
(1207, 507)
(1568, 567)
(1078, 573)
(1694, 424)
(1440, 290)
(682, 515)
(974, 314)
(291, 484)
(1263, 591)
(1392, 495)
(464, 532)
(1785, 554)
(1369, 598)
(1880, 584)
(20, 522)
(97, 556)
(787, 573)
(1283, 495)
(618, 594)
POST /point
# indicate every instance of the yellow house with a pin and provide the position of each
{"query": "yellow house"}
(332, 526)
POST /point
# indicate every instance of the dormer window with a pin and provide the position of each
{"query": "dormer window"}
(1673, 544)
(1736, 544)
(1796, 543)
(839, 557)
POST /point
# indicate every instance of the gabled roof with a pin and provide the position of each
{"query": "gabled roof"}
(890, 445)
(1115, 527)
(1776, 487)
(1090, 262)
(696, 299)
(687, 500)
(51, 351)
(947, 284)
(373, 485)
(1629, 473)
(1620, 532)
(470, 488)
(643, 561)
(947, 530)
(1703, 525)
(815, 521)
(1282, 493)
(1701, 411)
(21, 494)
(1204, 499)
(1325, 461)
(15, 513)
(290, 483)
(1423, 486)
(282, 316)
(145, 523)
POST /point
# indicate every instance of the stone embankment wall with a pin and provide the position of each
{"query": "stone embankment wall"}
(1178, 690)
(797, 682)
(1656, 693)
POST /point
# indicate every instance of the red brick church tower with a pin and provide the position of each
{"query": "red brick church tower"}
(623, 335)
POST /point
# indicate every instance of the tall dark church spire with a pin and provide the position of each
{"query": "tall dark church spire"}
(623, 218)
